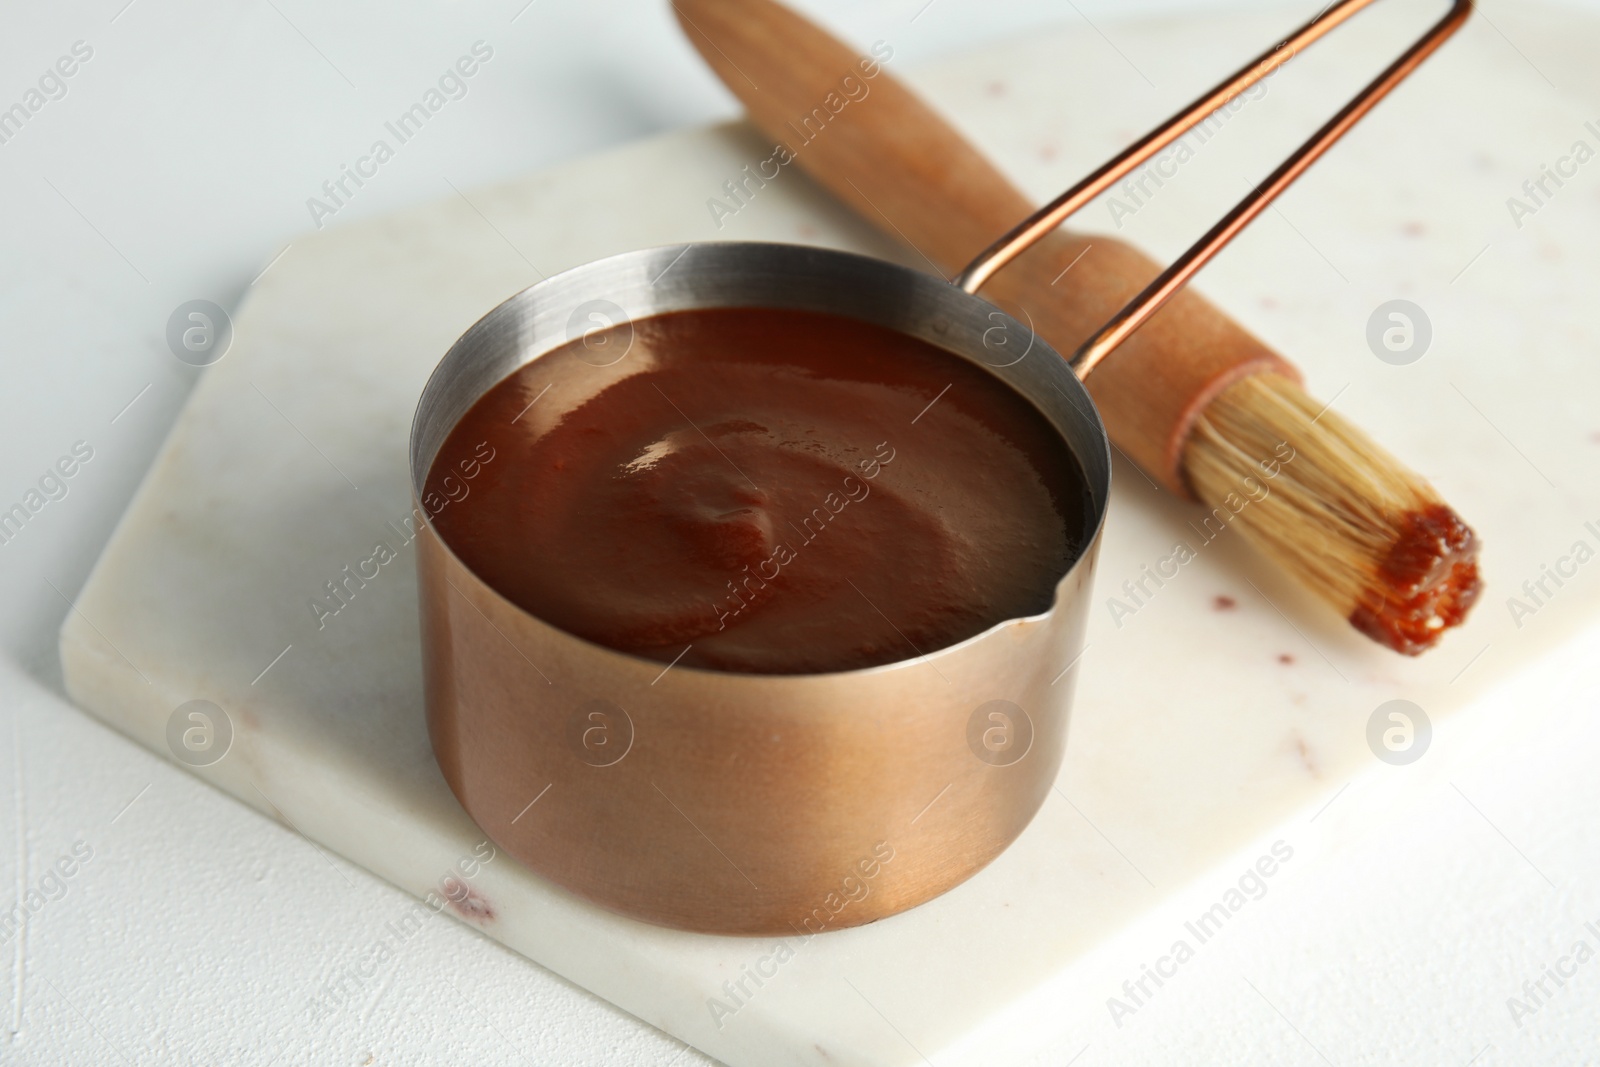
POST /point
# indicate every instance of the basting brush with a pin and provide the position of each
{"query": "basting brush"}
(1196, 401)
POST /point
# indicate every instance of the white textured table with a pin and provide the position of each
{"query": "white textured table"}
(343, 776)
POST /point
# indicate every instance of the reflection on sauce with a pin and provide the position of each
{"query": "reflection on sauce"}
(775, 491)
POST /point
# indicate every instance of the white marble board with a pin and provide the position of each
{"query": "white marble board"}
(1199, 728)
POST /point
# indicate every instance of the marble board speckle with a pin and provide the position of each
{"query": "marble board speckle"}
(1212, 712)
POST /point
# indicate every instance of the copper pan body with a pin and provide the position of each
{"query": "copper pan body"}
(740, 803)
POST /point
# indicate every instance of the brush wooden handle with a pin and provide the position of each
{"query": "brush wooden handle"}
(880, 149)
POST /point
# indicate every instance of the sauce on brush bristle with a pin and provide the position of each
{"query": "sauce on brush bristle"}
(1429, 582)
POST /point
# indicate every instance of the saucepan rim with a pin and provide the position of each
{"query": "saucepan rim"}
(545, 316)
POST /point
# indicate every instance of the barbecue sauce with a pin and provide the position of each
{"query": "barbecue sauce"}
(761, 490)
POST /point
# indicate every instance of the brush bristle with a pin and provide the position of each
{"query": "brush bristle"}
(1323, 500)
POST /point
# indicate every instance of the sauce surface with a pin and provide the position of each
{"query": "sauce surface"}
(761, 490)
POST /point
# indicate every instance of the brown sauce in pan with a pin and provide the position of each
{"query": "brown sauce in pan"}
(761, 490)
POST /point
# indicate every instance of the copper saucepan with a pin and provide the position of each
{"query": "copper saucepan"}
(774, 804)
